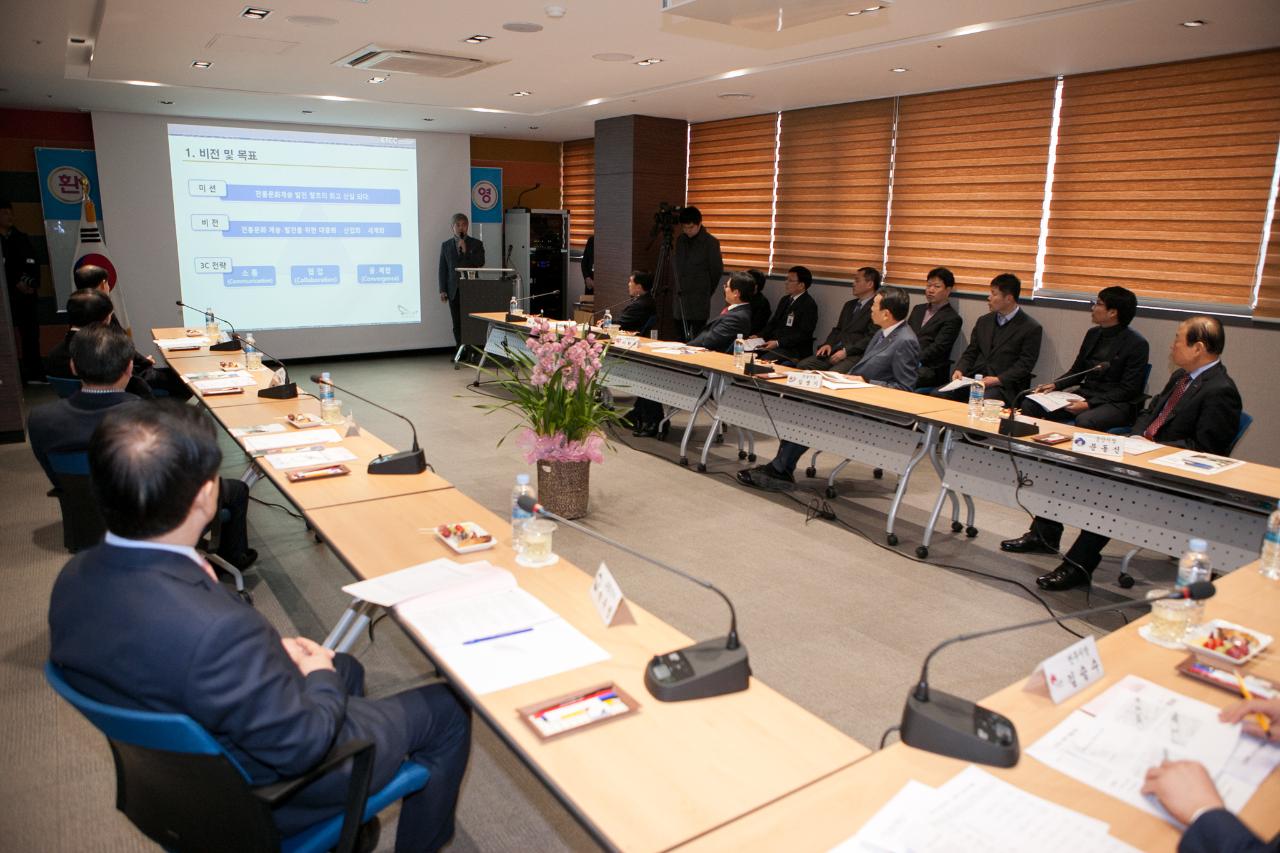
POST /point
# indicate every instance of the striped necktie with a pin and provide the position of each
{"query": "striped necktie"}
(1167, 412)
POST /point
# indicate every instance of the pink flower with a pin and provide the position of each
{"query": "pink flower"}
(556, 448)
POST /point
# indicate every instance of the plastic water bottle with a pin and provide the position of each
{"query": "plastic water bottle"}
(211, 326)
(977, 393)
(1270, 567)
(739, 353)
(326, 390)
(514, 306)
(519, 516)
(1193, 567)
(252, 356)
(606, 322)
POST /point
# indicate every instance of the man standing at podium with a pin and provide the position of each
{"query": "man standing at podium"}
(458, 251)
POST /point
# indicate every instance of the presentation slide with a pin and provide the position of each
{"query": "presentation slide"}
(283, 229)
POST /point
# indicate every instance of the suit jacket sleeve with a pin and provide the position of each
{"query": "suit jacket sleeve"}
(720, 333)
(242, 684)
(938, 350)
(970, 356)
(444, 267)
(1219, 831)
(1218, 420)
(1018, 374)
(474, 256)
(1080, 363)
(1133, 356)
(800, 335)
(906, 364)
(715, 262)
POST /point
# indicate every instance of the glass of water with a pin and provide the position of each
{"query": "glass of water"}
(331, 411)
(537, 540)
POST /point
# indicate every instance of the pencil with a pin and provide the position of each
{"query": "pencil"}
(1263, 722)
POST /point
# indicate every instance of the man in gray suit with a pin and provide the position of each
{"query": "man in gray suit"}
(892, 359)
(458, 251)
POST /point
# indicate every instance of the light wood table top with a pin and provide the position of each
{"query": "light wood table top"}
(212, 362)
(182, 332)
(655, 779)
(833, 809)
(359, 485)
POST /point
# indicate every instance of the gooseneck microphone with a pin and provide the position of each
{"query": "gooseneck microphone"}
(941, 723)
(412, 461)
(520, 318)
(287, 389)
(231, 345)
(710, 668)
(1015, 428)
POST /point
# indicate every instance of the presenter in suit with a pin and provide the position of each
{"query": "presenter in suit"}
(102, 357)
(140, 621)
(1199, 409)
(458, 251)
(1187, 792)
(854, 329)
(1111, 397)
(788, 336)
(1004, 347)
(892, 359)
(937, 325)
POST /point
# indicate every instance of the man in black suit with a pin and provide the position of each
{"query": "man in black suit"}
(458, 251)
(853, 331)
(937, 325)
(141, 622)
(102, 357)
(1111, 395)
(788, 336)
(699, 268)
(759, 303)
(1199, 409)
(1004, 346)
(22, 273)
(639, 312)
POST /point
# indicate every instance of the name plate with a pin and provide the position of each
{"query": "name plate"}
(804, 380)
(606, 595)
(1099, 444)
(1068, 672)
(624, 342)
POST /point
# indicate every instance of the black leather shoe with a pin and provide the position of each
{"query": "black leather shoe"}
(765, 477)
(243, 561)
(367, 838)
(1028, 543)
(1063, 577)
(645, 431)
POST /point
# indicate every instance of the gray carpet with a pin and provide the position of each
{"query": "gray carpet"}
(833, 618)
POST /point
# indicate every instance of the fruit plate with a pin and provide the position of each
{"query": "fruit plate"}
(304, 420)
(465, 536)
(1221, 628)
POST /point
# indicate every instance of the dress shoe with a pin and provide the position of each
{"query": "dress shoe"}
(765, 477)
(645, 431)
(1028, 543)
(244, 560)
(368, 836)
(1063, 577)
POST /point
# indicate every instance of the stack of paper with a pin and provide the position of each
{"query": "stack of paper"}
(977, 811)
(962, 382)
(309, 457)
(840, 381)
(231, 379)
(1051, 401)
(170, 343)
(1136, 445)
(259, 429)
(278, 439)
(1195, 462)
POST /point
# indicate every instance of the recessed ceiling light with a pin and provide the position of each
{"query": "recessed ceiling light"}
(307, 112)
(253, 13)
(333, 98)
(477, 39)
(378, 78)
(1193, 23)
(554, 11)
(202, 64)
(873, 8)
(613, 57)
(428, 119)
(645, 63)
(522, 27)
(899, 70)
(168, 103)
(521, 94)
(142, 83)
(854, 14)
(533, 127)
(735, 96)
(77, 40)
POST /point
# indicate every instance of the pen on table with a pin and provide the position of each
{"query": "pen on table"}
(496, 636)
(1263, 722)
(312, 449)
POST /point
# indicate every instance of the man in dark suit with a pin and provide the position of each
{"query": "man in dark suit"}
(788, 336)
(853, 330)
(1004, 346)
(1199, 409)
(937, 325)
(140, 621)
(759, 303)
(22, 273)
(458, 251)
(892, 359)
(699, 268)
(637, 314)
(1112, 395)
(102, 357)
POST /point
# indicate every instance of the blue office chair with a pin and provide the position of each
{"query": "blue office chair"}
(64, 386)
(177, 784)
(82, 523)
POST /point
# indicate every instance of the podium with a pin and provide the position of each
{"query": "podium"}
(483, 289)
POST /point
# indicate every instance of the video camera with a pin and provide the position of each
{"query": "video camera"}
(666, 220)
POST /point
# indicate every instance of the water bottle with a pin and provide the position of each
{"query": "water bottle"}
(326, 390)
(1193, 567)
(977, 393)
(211, 326)
(514, 306)
(1270, 567)
(519, 516)
(739, 353)
(606, 322)
(252, 357)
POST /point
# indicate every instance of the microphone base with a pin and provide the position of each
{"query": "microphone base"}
(232, 345)
(698, 672)
(285, 391)
(400, 462)
(517, 318)
(951, 726)
(753, 369)
(1015, 428)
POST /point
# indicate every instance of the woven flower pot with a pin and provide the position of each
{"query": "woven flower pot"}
(563, 487)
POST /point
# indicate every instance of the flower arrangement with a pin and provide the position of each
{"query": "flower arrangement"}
(556, 387)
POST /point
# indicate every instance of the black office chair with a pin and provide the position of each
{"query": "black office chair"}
(82, 524)
(64, 386)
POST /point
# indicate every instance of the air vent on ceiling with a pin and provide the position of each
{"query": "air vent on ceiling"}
(416, 62)
(766, 15)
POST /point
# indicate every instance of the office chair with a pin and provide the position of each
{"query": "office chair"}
(177, 784)
(64, 386)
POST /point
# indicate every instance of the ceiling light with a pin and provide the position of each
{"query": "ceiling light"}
(142, 83)
(1193, 23)
(77, 40)
(333, 98)
(854, 14)
(533, 127)
(594, 101)
(873, 8)
(735, 96)
(307, 112)
(899, 70)
(613, 57)
(483, 110)
(428, 119)
(477, 39)
(167, 103)
(554, 11)
(644, 63)
(522, 27)
(378, 78)
(521, 94)
(202, 64)
(254, 14)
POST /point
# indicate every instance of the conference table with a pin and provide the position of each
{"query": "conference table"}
(652, 780)
(833, 809)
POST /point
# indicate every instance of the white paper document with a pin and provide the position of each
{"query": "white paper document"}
(440, 581)
(170, 343)
(1110, 743)
(233, 379)
(279, 439)
(836, 381)
(308, 458)
(1136, 445)
(1195, 462)
(260, 429)
(957, 383)
(1051, 401)
(677, 350)
(752, 344)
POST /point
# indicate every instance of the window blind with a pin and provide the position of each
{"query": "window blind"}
(731, 165)
(578, 189)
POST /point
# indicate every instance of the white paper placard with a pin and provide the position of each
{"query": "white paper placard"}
(624, 342)
(1099, 444)
(606, 595)
(1069, 671)
(804, 380)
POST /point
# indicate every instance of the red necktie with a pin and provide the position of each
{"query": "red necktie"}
(724, 310)
(1150, 432)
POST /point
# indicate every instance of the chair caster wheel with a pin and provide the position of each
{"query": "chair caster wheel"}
(1126, 581)
(956, 527)
(810, 471)
(971, 532)
(684, 460)
(245, 596)
(892, 539)
(830, 491)
(751, 457)
(922, 551)
(702, 469)
(719, 439)
(742, 454)
(878, 473)
(662, 432)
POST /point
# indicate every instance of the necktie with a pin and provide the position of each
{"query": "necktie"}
(1150, 432)
(724, 310)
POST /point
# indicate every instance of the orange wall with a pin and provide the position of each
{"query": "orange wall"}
(524, 163)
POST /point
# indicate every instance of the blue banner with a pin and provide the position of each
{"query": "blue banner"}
(60, 170)
(486, 194)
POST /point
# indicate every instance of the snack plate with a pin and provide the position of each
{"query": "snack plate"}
(1195, 639)
(472, 528)
(307, 421)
